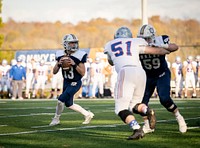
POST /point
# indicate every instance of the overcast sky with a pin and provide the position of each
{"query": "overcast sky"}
(84, 10)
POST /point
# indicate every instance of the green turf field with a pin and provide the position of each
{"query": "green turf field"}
(24, 124)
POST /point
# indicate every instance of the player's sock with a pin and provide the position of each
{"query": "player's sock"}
(59, 109)
(177, 114)
(134, 125)
(79, 109)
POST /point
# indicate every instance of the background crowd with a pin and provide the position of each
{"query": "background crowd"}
(34, 79)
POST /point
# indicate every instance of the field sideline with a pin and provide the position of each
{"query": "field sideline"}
(24, 123)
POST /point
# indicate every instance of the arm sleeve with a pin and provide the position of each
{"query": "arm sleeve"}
(165, 39)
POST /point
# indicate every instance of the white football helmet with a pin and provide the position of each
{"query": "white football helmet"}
(147, 31)
(70, 38)
(189, 58)
(4, 62)
(198, 58)
(178, 59)
(123, 32)
(42, 62)
(13, 62)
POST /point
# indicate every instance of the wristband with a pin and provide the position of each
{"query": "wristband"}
(74, 66)
(59, 65)
(166, 46)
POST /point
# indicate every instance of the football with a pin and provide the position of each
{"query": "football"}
(66, 64)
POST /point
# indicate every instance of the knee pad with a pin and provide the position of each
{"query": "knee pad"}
(135, 110)
(123, 114)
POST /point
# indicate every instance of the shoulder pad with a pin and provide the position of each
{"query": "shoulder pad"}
(59, 53)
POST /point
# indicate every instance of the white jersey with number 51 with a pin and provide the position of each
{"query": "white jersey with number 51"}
(125, 51)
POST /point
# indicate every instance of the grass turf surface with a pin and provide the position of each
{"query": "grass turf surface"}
(25, 124)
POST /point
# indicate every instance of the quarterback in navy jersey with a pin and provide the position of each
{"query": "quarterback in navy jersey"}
(158, 75)
(72, 77)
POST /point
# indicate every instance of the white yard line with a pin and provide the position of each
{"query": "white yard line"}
(39, 114)
(61, 129)
(195, 127)
(3, 125)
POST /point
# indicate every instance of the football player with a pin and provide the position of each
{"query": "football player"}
(72, 78)
(56, 82)
(189, 69)
(41, 78)
(123, 53)
(97, 77)
(177, 69)
(197, 74)
(158, 75)
(4, 78)
(30, 77)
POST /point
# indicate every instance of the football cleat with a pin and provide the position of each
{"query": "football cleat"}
(88, 118)
(55, 121)
(137, 134)
(152, 118)
(147, 129)
(182, 124)
(13, 98)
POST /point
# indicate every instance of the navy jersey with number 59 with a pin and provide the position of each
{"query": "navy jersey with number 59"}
(155, 65)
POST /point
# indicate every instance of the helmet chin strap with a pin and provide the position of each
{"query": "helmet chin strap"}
(67, 52)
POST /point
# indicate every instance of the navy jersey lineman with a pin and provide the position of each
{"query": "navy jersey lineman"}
(158, 75)
(72, 78)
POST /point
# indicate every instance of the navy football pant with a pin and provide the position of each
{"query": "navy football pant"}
(162, 84)
(69, 90)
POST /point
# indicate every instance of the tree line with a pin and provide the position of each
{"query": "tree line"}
(94, 34)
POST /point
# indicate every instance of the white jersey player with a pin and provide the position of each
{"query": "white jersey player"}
(4, 78)
(197, 74)
(177, 68)
(97, 77)
(189, 70)
(56, 81)
(113, 80)
(30, 78)
(123, 52)
(41, 77)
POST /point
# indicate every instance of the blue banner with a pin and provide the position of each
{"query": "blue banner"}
(38, 55)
